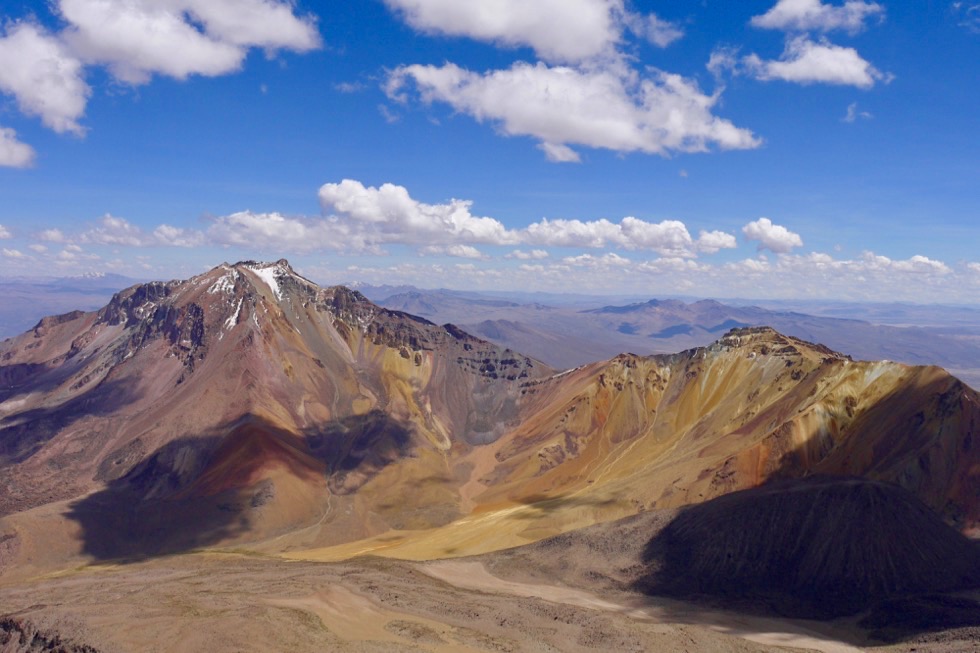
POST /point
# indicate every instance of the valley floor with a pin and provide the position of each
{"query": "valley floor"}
(234, 601)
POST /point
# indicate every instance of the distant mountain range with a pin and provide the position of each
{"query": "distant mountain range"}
(574, 334)
(25, 300)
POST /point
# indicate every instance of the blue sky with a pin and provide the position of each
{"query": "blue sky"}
(790, 149)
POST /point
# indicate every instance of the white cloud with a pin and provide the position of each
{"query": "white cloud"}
(750, 266)
(669, 237)
(111, 230)
(658, 31)
(607, 260)
(599, 108)
(533, 255)
(814, 15)
(51, 235)
(458, 251)
(38, 249)
(390, 214)
(917, 264)
(13, 153)
(723, 59)
(45, 79)
(573, 233)
(773, 237)
(818, 275)
(115, 231)
(711, 242)
(13, 253)
(179, 38)
(565, 31)
(177, 237)
(5, 233)
(853, 113)
(276, 232)
(806, 62)
(557, 153)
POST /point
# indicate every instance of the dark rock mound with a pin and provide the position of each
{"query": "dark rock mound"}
(20, 636)
(819, 547)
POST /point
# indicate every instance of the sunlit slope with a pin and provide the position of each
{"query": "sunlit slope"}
(615, 438)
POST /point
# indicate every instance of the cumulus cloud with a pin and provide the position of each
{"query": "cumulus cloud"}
(917, 264)
(775, 238)
(807, 62)
(171, 236)
(44, 78)
(37, 248)
(658, 31)
(573, 233)
(560, 106)
(564, 31)
(51, 235)
(669, 237)
(5, 233)
(814, 15)
(13, 253)
(534, 254)
(277, 232)
(111, 230)
(711, 242)
(390, 214)
(114, 231)
(606, 260)
(458, 251)
(13, 153)
(179, 38)
(44, 72)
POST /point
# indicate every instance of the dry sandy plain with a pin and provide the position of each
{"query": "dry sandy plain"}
(525, 599)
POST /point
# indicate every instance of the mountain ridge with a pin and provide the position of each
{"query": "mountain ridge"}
(270, 409)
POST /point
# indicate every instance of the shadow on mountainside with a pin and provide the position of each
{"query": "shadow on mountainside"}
(205, 490)
(23, 434)
(820, 548)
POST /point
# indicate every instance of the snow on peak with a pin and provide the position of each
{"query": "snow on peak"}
(271, 273)
(225, 283)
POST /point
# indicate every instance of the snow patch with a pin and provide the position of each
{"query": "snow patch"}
(225, 283)
(232, 321)
(269, 275)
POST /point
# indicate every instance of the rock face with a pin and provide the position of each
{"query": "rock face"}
(248, 402)
(816, 547)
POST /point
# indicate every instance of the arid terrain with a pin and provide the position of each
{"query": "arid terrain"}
(248, 461)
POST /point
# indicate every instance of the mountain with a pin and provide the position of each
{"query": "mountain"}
(247, 379)
(567, 335)
(249, 406)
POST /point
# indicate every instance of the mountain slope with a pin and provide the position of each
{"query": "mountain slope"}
(225, 380)
(248, 405)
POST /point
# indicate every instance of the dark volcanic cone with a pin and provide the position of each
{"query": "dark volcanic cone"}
(816, 547)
